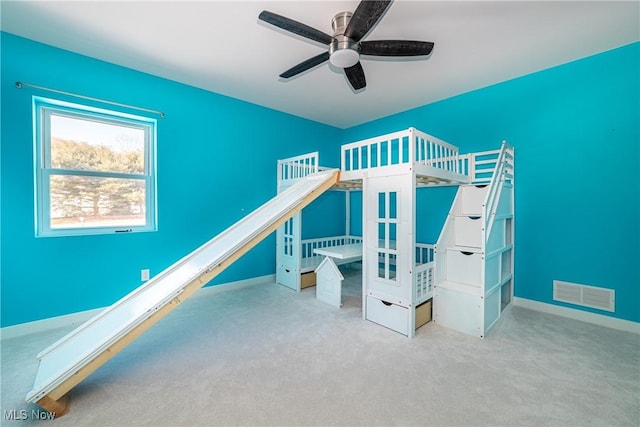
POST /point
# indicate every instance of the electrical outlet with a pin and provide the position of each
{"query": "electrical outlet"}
(144, 274)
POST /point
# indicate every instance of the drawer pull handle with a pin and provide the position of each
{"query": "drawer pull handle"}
(466, 253)
(386, 303)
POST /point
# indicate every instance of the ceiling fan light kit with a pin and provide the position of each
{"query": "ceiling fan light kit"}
(344, 58)
(346, 45)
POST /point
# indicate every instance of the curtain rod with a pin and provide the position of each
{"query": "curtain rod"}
(19, 85)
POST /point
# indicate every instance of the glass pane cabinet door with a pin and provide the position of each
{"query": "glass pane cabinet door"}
(382, 230)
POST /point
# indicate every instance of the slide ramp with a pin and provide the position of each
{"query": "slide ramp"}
(75, 356)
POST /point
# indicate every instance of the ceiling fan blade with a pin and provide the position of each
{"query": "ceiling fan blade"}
(395, 48)
(295, 27)
(366, 15)
(305, 65)
(355, 74)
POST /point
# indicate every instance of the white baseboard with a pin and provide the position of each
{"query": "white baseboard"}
(82, 316)
(583, 316)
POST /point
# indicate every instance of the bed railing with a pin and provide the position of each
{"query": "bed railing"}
(502, 172)
(434, 152)
(423, 272)
(410, 145)
(424, 253)
(297, 167)
(308, 245)
(484, 165)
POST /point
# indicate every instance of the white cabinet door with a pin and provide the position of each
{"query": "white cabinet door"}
(389, 241)
(288, 253)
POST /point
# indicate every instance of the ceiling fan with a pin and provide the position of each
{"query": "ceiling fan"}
(346, 45)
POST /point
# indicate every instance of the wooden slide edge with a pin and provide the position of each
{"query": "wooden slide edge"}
(56, 401)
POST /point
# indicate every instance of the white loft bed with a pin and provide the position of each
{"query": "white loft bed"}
(399, 274)
(296, 258)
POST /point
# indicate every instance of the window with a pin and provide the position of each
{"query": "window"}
(387, 227)
(94, 170)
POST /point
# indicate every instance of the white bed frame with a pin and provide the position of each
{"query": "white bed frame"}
(400, 274)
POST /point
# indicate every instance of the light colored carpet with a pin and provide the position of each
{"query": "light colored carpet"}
(265, 355)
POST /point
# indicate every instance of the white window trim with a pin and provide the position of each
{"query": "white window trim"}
(42, 109)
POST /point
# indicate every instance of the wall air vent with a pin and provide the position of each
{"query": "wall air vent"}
(586, 296)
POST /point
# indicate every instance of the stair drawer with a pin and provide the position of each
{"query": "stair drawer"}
(390, 315)
(472, 198)
(468, 231)
(464, 267)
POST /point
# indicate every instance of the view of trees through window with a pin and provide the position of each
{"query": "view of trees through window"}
(96, 173)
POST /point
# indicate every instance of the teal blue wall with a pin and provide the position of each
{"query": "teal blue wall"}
(326, 216)
(216, 162)
(575, 129)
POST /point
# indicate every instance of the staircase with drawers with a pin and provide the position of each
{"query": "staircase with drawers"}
(474, 253)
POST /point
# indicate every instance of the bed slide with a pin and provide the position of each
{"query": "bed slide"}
(74, 357)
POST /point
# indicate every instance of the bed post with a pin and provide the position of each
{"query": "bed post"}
(347, 225)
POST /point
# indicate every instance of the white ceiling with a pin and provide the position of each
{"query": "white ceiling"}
(223, 47)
